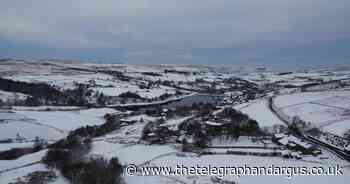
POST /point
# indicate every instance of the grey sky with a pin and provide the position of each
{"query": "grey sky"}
(177, 31)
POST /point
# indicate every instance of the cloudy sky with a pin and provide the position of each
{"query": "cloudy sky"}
(178, 31)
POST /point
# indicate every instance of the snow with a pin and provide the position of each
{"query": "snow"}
(64, 81)
(21, 161)
(241, 141)
(130, 133)
(9, 115)
(336, 101)
(127, 87)
(69, 120)
(8, 146)
(328, 110)
(338, 128)
(213, 123)
(12, 176)
(124, 143)
(347, 148)
(298, 98)
(129, 154)
(314, 113)
(50, 125)
(45, 108)
(246, 161)
(250, 150)
(140, 117)
(147, 180)
(29, 130)
(174, 123)
(171, 99)
(261, 113)
(292, 140)
(279, 135)
(10, 96)
(106, 84)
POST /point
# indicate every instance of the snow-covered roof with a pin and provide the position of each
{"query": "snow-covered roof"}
(347, 148)
(285, 152)
(278, 136)
(213, 123)
(293, 141)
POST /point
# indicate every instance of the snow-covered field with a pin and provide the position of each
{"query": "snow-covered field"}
(9, 96)
(8, 146)
(68, 120)
(260, 111)
(64, 81)
(12, 176)
(29, 129)
(11, 171)
(328, 110)
(298, 98)
(50, 125)
(314, 113)
(22, 161)
(129, 154)
(338, 128)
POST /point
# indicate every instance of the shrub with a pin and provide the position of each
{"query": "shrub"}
(94, 172)
(130, 95)
(58, 157)
(15, 153)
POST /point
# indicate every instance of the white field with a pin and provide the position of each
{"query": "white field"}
(69, 120)
(12, 176)
(63, 80)
(338, 128)
(8, 146)
(297, 98)
(129, 154)
(297, 78)
(314, 113)
(329, 110)
(259, 111)
(29, 130)
(21, 161)
(336, 101)
(10, 96)
(50, 125)
(22, 166)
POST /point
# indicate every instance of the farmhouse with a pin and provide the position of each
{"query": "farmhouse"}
(294, 143)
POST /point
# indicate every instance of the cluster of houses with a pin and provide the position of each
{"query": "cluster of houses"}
(295, 144)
